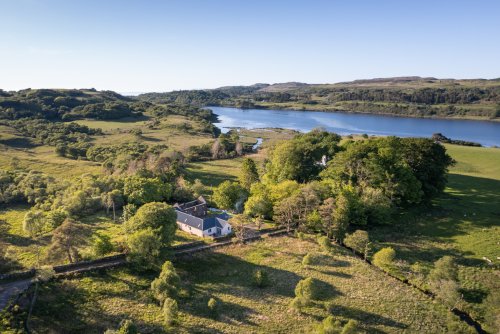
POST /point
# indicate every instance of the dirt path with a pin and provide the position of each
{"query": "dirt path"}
(9, 290)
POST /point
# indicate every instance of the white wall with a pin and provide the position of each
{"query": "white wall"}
(190, 229)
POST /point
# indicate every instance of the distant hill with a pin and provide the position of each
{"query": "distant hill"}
(403, 96)
(283, 87)
(66, 104)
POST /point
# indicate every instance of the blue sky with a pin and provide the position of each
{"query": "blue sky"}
(139, 46)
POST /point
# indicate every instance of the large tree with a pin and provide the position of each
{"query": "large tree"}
(67, 238)
(228, 194)
(248, 173)
(159, 217)
(140, 190)
(429, 162)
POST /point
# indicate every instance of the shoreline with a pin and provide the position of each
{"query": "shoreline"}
(260, 107)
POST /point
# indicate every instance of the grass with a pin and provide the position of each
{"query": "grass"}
(463, 222)
(25, 154)
(96, 302)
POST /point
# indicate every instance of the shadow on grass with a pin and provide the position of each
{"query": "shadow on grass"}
(18, 142)
(368, 318)
(475, 296)
(64, 307)
(469, 203)
(230, 274)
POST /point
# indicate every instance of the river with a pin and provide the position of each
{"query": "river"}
(484, 132)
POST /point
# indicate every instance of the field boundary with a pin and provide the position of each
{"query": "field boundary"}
(16, 283)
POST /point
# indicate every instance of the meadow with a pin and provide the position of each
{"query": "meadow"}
(464, 222)
(351, 288)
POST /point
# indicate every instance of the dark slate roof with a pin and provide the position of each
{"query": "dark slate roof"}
(202, 223)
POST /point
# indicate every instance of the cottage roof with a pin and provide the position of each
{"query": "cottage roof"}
(202, 223)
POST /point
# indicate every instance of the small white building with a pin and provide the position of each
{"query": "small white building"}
(192, 217)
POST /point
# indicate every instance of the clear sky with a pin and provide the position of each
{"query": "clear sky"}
(140, 46)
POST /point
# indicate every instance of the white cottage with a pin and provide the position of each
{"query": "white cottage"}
(192, 217)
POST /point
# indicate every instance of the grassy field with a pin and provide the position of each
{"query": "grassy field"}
(355, 290)
(464, 222)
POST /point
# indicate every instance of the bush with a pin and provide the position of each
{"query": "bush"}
(308, 260)
(167, 283)
(212, 307)
(127, 327)
(307, 289)
(330, 325)
(444, 269)
(384, 259)
(298, 303)
(260, 278)
(351, 327)
(358, 241)
(301, 235)
(170, 311)
(101, 245)
(330, 307)
(325, 243)
(447, 292)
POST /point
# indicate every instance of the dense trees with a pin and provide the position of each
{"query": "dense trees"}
(140, 190)
(301, 159)
(159, 217)
(229, 196)
(66, 104)
(413, 96)
(149, 231)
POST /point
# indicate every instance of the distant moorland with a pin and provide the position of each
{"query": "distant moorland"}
(402, 96)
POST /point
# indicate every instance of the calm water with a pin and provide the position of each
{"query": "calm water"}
(483, 132)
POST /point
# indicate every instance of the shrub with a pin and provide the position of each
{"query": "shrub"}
(167, 283)
(384, 259)
(308, 260)
(260, 278)
(444, 269)
(307, 289)
(358, 241)
(301, 235)
(127, 327)
(170, 311)
(297, 304)
(330, 307)
(447, 292)
(102, 245)
(351, 327)
(212, 307)
(329, 325)
(325, 243)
